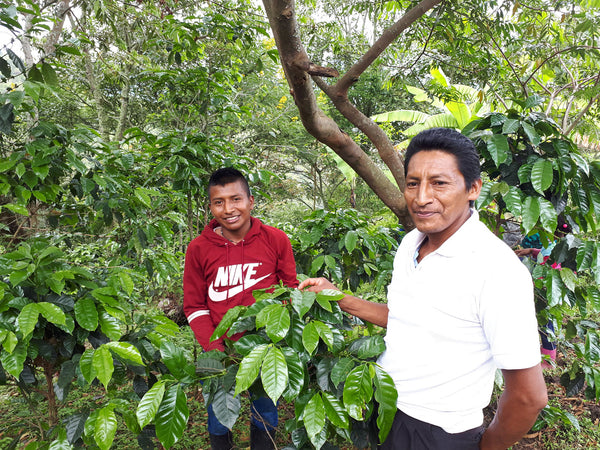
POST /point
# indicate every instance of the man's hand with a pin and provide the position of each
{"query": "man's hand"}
(376, 313)
(317, 284)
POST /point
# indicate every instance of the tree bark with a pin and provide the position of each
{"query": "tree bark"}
(61, 10)
(124, 103)
(101, 114)
(298, 70)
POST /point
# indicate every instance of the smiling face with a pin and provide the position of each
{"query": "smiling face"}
(231, 205)
(436, 196)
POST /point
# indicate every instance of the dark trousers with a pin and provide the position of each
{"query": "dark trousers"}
(408, 433)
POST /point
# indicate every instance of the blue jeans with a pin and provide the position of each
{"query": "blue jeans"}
(264, 416)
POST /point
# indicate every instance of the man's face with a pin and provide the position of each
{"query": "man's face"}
(435, 193)
(231, 206)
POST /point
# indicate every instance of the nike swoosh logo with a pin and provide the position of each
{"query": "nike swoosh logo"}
(219, 296)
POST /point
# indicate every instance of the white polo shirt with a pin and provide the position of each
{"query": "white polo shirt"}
(463, 311)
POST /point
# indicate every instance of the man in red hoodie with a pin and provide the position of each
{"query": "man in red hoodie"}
(235, 255)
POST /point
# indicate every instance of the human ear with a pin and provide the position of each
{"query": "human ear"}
(475, 189)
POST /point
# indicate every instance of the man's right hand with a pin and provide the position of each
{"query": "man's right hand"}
(317, 284)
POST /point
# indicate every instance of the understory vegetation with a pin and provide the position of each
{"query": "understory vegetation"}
(112, 116)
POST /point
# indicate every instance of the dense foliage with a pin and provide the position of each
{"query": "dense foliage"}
(112, 115)
(535, 175)
(302, 347)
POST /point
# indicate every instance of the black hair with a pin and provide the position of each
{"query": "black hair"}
(452, 142)
(226, 175)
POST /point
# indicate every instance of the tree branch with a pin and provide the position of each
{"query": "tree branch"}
(585, 109)
(388, 36)
(297, 68)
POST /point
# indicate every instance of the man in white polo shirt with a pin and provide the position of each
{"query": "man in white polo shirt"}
(460, 305)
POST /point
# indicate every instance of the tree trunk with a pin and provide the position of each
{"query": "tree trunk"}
(90, 73)
(61, 10)
(124, 103)
(298, 68)
(50, 394)
(97, 94)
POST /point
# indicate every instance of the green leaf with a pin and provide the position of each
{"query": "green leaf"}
(105, 428)
(371, 346)
(126, 282)
(340, 371)
(554, 288)
(324, 302)
(585, 256)
(324, 332)
(314, 416)
(227, 320)
(501, 188)
(143, 197)
(63, 438)
(513, 201)
(498, 148)
(226, 407)
(302, 301)
(530, 213)
(165, 326)
(510, 126)
(279, 323)
(332, 295)
(350, 240)
(10, 341)
(387, 396)
(310, 337)
(330, 262)
(51, 313)
(103, 364)
(295, 374)
(5, 69)
(274, 373)
(334, 411)
(41, 172)
(460, 112)
(358, 391)
(86, 365)
(149, 404)
(533, 136)
(568, 278)
(86, 313)
(174, 358)
(249, 368)
(19, 209)
(75, 426)
(247, 342)
(172, 416)
(126, 351)
(548, 215)
(592, 346)
(49, 75)
(542, 175)
(130, 420)
(28, 318)
(110, 326)
(317, 264)
(13, 362)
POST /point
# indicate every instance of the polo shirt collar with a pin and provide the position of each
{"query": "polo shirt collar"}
(459, 241)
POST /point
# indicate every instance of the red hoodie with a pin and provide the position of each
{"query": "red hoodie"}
(219, 275)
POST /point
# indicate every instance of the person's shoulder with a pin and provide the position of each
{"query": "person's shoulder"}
(484, 240)
(496, 253)
(203, 238)
(411, 238)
